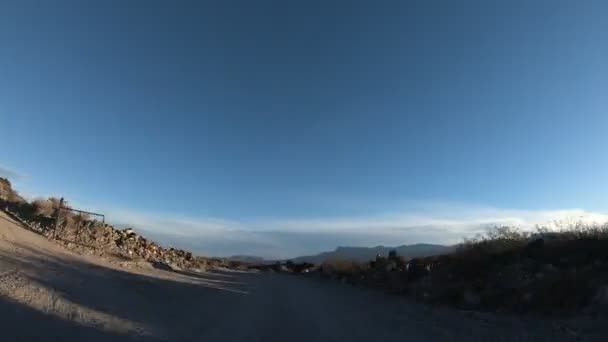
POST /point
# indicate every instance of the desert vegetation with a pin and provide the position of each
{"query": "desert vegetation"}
(81, 233)
(7, 193)
(507, 269)
(554, 271)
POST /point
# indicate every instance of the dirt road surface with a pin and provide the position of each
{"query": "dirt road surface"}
(50, 294)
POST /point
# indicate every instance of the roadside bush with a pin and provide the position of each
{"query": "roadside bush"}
(342, 267)
(497, 240)
(578, 231)
(80, 219)
(47, 207)
(557, 271)
(44, 207)
(7, 193)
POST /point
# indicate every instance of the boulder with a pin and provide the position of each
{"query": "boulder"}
(600, 300)
(471, 298)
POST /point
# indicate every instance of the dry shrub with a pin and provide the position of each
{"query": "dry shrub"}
(5, 189)
(67, 219)
(342, 267)
(7, 193)
(98, 225)
(486, 253)
(47, 207)
(566, 291)
(44, 207)
(578, 231)
(80, 219)
(495, 241)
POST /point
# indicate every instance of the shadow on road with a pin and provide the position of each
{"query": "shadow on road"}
(171, 306)
(233, 306)
(27, 324)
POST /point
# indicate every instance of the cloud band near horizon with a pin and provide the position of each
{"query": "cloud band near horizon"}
(286, 238)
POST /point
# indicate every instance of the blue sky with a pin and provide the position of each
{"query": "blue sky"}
(276, 128)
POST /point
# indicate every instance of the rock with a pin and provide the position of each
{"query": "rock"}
(471, 298)
(161, 266)
(601, 297)
(549, 268)
(599, 303)
(104, 239)
(395, 282)
(391, 265)
(534, 246)
(415, 270)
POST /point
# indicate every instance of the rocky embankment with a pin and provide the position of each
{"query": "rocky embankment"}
(102, 239)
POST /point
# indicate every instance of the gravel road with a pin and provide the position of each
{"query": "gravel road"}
(50, 294)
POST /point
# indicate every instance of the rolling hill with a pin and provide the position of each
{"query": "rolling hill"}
(363, 254)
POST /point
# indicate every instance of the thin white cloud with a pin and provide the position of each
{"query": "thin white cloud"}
(174, 224)
(274, 238)
(11, 174)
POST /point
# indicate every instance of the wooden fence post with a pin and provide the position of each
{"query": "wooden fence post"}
(58, 215)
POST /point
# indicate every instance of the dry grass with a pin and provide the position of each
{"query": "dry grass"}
(544, 270)
(342, 267)
(44, 207)
(508, 240)
(47, 208)
(7, 193)
(550, 271)
(495, 241)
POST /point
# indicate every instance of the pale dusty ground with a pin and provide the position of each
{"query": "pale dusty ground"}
(50, 294)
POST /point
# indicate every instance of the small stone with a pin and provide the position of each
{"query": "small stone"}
(601, 296)
(549, 268)
(471, 298)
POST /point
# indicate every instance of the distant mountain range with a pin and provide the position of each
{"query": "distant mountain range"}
(249, 259)
(364, 254)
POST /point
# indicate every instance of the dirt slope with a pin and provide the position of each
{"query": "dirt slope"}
(50, 294)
